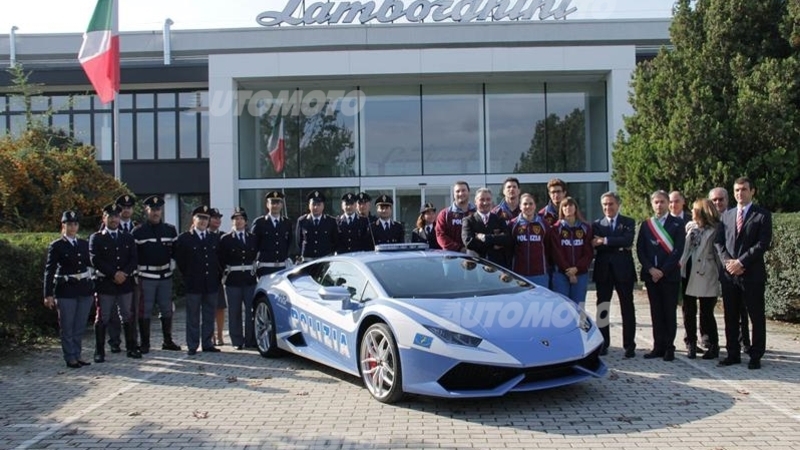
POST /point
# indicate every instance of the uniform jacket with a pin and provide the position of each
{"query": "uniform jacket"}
(529, 239)
(154, 248)
(352, 236)
(421, 235)
(448, 227)
(394, 235)
(652, 254)
(614, 260)
(315, 241)
(233, 252)
(274, 244)
(110, 256)
(748, 246)
(65, 259)
(198, 261)
(571, 246)
(703, 274)
(497, 235)
(549, 214)
(505, 212)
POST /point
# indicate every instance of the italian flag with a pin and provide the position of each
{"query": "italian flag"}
(99, 54)
(277, 145)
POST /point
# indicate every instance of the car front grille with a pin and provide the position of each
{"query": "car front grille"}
(473, 377)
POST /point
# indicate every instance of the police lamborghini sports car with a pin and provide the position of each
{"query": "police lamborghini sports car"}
(435, 323)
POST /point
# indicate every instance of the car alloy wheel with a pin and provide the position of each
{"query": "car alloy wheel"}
(265, 328)
(380, 364)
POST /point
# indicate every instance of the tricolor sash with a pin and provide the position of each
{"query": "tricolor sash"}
(663, 238)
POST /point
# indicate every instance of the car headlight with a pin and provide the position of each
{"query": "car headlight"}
(451, 337)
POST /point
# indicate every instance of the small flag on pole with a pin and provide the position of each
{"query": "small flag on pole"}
(276, 145)
(99, 54)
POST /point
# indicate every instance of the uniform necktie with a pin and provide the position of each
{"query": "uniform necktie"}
(275, 223)
(74, 242)
(386, 226)
(316, 222)
(428, 229)
(114, 235)
(202, 235)
(241, 236)
(349, 220)
(739, 220)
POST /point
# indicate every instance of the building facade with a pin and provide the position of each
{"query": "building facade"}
(224, 116)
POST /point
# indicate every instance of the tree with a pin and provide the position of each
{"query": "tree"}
(44, 172)
(558, 145)
(722, 103)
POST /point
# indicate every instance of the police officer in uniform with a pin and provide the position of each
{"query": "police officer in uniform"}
(426, 227)
(237, 255)
(273, 236)
(317, 232)
(352, 227)
(113, 255)
(126, 225)
(198, 261)
(364, 207)
(214, 224)
(154, 247)
(68, 287)
(384, 230)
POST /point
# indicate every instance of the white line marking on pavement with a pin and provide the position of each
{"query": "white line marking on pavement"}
(54, 428)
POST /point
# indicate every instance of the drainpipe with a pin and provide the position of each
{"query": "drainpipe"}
(167, 42)
(12, 43)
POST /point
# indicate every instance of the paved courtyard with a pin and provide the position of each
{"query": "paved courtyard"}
(236, 399)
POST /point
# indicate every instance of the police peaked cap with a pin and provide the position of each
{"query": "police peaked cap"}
(126, 201)
(214, 212)
(428, 206)
(201, 210)
(112, 209)
(274, 195)
(363, 197)
(239, 212)
(349, 198)
(154, 201)
(316, 197)
(69, 216)
(384, 199)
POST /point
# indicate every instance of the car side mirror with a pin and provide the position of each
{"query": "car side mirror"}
(333, 293)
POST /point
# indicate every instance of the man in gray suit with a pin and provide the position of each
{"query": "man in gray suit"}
(745, 234)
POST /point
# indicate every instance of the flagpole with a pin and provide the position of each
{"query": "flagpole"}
(117, 157)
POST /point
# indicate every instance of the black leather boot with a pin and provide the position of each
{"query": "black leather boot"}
(130, 341)
(99, 342)
(144, 333)
(166, 330)
(691, 350)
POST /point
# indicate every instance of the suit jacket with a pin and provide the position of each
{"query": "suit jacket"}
(703, 273)
(497, 234)
(615, 257)
(396, 234)
(316, 241)
(198, 261)
(109, 256)
(652, 255)
(274, 244)
(233, 252)
(352, 236)
(748, 246)
(65, 259)
(420, 235)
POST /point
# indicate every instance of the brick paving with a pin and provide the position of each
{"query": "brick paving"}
(236, 399)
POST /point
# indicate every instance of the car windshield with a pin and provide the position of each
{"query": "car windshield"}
(445, 277)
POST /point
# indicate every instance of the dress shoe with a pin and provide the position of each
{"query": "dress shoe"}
(630, 353)
(74, 364)
(144, 350)
(115, 349)
(169, 345)
(654, 354)
(604, 351)
(729, 362)
(691, 353)
(212, 350)
(712, 352)
(754, 364)
(135, 354)
(99, 358)
(191, 352)
(669, 355)
(239, 347)
(746, 349)
(84, 363)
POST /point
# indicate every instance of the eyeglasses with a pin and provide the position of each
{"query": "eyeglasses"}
(717, 200)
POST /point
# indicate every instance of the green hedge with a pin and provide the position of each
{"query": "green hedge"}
(23, 317)
(783, 266)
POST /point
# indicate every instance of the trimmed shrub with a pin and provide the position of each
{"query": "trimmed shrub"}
(783, 268)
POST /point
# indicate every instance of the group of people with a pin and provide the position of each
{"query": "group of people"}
(126, 269)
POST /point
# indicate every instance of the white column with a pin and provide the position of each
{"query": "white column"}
(618, 86)
(223, 154)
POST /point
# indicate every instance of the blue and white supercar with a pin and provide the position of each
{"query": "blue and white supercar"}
(435, 323)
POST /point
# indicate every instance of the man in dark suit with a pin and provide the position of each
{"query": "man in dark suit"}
(659, 248)
(614, 270)
(274, 236)
(352, 227)
(744, 234)
(484, 233)
(384, 230)
(316, 232)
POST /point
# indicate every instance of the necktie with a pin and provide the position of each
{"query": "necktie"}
(428, 229)
(114, 235)
(241, 236)
(316, 222)
(612, 225)
(739, 220)
(74, 242)
(485, 219)
(349, 220)
(202, 235)
(386, 226)
(275, 223)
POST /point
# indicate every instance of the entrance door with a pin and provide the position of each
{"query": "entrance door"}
(409, 200)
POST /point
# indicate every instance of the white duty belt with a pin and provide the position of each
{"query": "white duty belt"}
(271, 264)
(78, 276)
(239, 268)
(143, 271)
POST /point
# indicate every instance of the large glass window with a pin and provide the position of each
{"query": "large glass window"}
(586, 194)
(145, 136)
(166, 135)
(514, 125)
(295, 203)
(392, 124)
(452, 129)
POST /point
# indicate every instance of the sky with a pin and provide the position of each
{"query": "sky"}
(59, 16)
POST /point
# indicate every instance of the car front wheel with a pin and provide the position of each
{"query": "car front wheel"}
(265, 329)
(379, 362)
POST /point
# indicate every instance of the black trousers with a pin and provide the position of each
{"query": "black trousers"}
(708, 324)
(749, 295)
(625, 294)
(663, 298)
